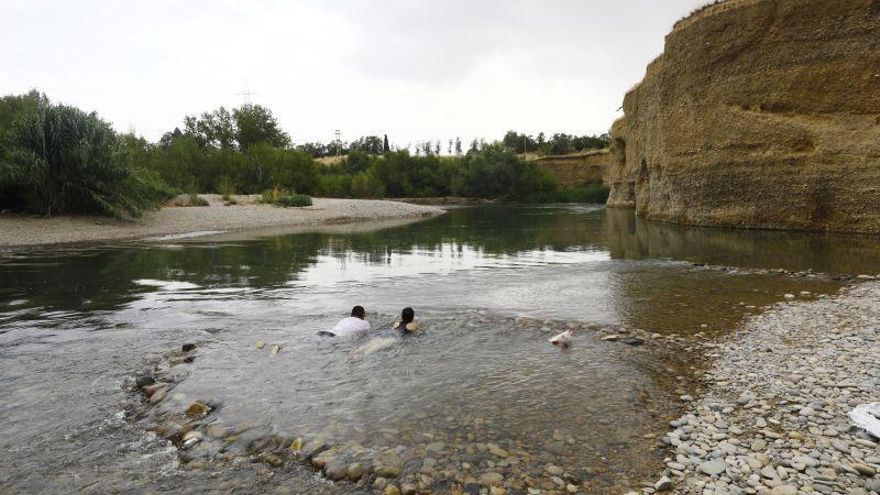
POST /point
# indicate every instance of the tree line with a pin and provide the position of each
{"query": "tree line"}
(57, 159)
(557, 144)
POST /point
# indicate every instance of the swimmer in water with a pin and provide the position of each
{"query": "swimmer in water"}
(353, 325)
(407, 323)
(406, 326)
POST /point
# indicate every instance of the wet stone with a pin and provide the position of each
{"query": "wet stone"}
(197, 410)
(144, 381)
(491, 479)
(355, 471)
(387, 466)
(557, 448)
(336, 469)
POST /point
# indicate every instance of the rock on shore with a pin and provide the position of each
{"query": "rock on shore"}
(774, 419)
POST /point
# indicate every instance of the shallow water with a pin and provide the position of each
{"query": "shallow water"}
(76, 324)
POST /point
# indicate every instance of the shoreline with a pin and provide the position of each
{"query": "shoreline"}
(194, 222)
(774, 417)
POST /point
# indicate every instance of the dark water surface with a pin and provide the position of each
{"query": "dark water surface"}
(75, 324)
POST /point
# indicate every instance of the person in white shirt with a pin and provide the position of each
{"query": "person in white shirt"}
(352, 325)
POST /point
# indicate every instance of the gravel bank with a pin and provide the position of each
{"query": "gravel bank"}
(247, 215)
(774, 419)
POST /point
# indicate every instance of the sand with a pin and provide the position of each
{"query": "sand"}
(182, 222)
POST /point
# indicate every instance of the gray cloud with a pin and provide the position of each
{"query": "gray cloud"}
(414, 69)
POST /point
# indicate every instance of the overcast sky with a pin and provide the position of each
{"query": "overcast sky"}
(413, 69)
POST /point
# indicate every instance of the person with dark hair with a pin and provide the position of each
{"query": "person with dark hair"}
(352, 325)
(387, 338)
(407, 323)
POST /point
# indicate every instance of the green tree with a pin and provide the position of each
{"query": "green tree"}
(497, 172)
(315, 150)
(13, 173)
(282, 168)
(256, 124)
(216, 129)
(368, 144)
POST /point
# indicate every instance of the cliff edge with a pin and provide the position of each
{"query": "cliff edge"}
(759, 114)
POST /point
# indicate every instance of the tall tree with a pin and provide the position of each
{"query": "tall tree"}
(368, 144)
(215, 129)
(385, 147)
(256, 124)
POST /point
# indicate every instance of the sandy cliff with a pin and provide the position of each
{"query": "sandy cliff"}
(577, 169)
(760, 113)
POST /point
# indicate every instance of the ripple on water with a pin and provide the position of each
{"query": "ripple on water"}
(474, 390)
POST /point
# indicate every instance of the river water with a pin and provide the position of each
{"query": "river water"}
(479, 391)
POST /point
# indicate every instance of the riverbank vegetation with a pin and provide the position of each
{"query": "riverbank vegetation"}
(58, 159)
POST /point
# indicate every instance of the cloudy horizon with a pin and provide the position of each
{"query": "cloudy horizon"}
(413, 70)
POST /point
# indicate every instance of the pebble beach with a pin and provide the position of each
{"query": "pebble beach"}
(774, 418)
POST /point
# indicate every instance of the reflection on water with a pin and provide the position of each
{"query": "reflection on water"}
(630, 237)
(73, 324)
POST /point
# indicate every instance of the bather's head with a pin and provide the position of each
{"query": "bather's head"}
(407, 315)
(358, 312)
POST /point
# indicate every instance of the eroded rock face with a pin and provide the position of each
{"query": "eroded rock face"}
(760, 113)
(579, 168)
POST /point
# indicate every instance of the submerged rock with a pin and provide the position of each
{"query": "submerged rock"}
(355, 471)
(188, 347)
(192, 438)
(633, 341)
(144, 381)
(336, 469)
(491, 479)
(197, 410)
(296, 445)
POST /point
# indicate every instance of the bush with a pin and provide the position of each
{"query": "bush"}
(335, 185)
(69, 161)
(225, 187)
(294, 201)
(191, 200)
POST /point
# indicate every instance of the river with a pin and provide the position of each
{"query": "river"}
(480, 391)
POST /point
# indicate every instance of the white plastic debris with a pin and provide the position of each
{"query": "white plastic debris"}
(867, 416)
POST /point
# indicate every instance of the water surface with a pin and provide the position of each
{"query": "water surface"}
(75, 324)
